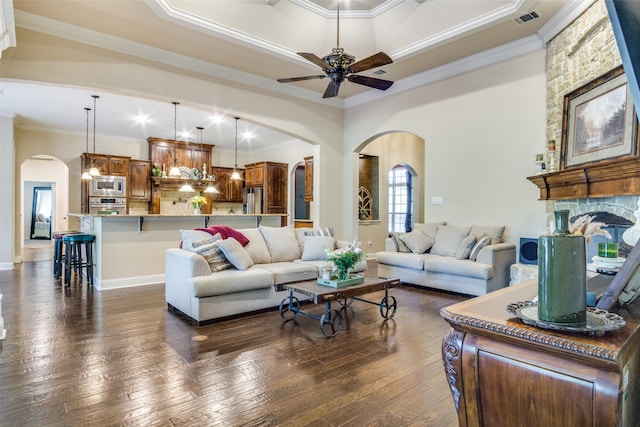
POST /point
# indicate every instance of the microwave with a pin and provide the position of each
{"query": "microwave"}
(105, 185)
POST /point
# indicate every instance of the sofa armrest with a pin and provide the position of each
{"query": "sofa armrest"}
(181, 266)
(501, 256)
(389, 246)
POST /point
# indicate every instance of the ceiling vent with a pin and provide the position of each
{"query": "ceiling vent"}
(526, 18)
(380, 72)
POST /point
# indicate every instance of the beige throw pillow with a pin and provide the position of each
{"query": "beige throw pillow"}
(212, 253)
(235, 253)
(417, 241)
(281, 242)
(315, 247)
(464, 249)
(448, 238)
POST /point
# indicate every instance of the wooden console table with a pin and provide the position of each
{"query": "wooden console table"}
(504, 373)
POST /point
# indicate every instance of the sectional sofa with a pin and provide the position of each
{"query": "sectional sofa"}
(210, 278)
(468, 260)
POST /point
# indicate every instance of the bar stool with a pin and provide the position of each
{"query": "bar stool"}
(73, 244)
(58, 251)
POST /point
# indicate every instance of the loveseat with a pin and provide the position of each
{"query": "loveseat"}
(220, 272)
(468, 260)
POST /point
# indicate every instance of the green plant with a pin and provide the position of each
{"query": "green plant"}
(346, 258)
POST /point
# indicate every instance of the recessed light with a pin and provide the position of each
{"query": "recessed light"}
(247, 134)
(217, 118)
(141, 118)
(185, 135)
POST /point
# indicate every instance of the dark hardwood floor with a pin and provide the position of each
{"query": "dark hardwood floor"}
(78, 357)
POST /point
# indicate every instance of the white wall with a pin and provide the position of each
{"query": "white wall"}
(7, 193)
(481, 131)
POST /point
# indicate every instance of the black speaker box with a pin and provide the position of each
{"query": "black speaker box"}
(528, 250)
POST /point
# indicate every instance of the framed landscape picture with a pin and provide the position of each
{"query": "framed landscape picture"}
(599, 121)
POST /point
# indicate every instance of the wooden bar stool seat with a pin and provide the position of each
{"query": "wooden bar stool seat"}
(75, 259)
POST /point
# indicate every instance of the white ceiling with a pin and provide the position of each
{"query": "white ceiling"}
(255, 42)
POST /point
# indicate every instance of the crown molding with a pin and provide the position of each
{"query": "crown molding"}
(470, 63)
(458, 31)
(569, 12)
(7, 26)
(350, 14)
(104, 41)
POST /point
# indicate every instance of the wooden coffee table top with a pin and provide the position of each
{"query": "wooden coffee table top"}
(320, 293)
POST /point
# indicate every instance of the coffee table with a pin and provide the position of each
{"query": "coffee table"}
(331, 320)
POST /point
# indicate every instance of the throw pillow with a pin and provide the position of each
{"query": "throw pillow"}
(212, 253)
(495, 232)
(430, 229)
(448, 239)
(235, 253)
(326, 231)
(400, 245)
(257, 248)
(281, 242)
(482, 241)
(417, 241)
(190, 236)
(315, 247)
(464, 249)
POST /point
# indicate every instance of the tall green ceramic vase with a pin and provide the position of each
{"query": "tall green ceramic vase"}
(562, 275)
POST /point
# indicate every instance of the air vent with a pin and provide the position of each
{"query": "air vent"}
(380, 72)
(526, 18)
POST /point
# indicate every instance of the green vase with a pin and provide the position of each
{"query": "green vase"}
(562, 275)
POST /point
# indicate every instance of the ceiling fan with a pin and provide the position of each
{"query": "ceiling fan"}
(339, 65)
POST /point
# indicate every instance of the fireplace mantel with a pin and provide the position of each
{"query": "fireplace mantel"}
(618, 177)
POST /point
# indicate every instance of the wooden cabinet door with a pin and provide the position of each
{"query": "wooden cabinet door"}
(99, 161)
(139, 183)
(118, 166)
(308, 179)
(162, 155)
(275, 189)
(184, 157)
(223, 176)
(199, 158)
(235, 188)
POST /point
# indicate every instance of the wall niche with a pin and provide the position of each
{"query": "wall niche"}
(368, 188)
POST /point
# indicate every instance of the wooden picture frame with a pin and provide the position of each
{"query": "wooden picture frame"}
(625, 286)
(599, 121)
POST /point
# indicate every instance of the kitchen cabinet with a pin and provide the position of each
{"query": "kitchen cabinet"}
(308, 179)
(107, 164)
(273, 178)
(230, 190)
(188, 155)
(139, 184)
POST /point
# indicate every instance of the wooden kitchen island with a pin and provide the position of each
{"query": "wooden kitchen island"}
(130, 249)
(504, 373)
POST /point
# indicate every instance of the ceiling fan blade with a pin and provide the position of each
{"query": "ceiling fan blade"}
(370, 81)
(298, 79)
(377, 60)
(313, 58)
(332, 90)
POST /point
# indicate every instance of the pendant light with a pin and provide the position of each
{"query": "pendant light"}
(85, 173)
(174, 172)
(236, 175)
(211, 188)
(94, 170)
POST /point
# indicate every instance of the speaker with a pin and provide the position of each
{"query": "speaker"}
(528, 250)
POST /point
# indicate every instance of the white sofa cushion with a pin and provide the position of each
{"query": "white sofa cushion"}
(450, 265)
(400, 259)
(235, 253)
(417, 241)
(430, 229)
(231, 281)
(315, 247)
(494, 231)
(464, 249)
(398, 243)
(282, 243)
(287, 272)
(257, 247)
(448, 238)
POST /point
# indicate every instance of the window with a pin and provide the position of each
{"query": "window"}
(400, 200)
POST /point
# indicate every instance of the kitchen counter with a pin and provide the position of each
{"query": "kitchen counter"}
(130, 249)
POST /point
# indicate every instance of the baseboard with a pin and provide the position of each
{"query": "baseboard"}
(128, 282)
(6, 266)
